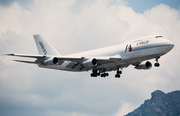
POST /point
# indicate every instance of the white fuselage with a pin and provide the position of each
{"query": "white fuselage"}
(131, 52)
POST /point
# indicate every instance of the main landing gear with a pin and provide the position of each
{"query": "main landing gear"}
(117, 75)
(157, 64)
(95, 73)
(105, 74)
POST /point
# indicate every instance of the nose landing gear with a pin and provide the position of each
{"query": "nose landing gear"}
(157, 64)
(117, 75)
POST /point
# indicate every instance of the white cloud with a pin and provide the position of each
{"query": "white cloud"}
(126, 107)
(73, 26)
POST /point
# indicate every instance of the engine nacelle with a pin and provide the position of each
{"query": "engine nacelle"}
(90, 62)
(51, 61)
(144, 65)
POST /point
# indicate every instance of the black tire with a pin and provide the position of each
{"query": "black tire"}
(117, 76)
(107, 74)
(102, 75)
(120, 72)
(93, 75)
(98, 74)
(156, 64)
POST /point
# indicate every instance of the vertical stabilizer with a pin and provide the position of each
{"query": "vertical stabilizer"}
(44, 48)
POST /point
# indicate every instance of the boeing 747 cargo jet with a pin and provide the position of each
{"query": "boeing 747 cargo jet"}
(103, 60)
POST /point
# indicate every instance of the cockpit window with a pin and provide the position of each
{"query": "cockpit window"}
(159, 36)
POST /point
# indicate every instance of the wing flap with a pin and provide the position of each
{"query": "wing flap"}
(71, 65)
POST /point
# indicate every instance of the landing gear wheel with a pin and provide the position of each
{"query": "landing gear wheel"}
(117, 76)
(93, 75)
(98, 74)
(107, 74)
(104, 74)
(156, 64)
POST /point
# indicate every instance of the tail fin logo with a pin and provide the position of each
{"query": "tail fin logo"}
(42, 47)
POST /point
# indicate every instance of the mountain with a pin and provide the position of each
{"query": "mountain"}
(160, 104)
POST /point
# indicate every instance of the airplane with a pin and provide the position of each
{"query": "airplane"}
(102, 60)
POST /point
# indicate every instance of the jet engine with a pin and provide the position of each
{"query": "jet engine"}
(144, 65)
(90, 62)
(51, 61)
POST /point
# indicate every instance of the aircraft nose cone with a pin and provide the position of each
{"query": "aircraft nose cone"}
(170, 45)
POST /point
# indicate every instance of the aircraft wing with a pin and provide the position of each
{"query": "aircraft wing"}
(86, 63)
(75, 61)
(26, 55)
(67, 58)
(81, 59)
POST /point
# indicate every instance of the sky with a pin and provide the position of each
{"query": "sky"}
(139, 6)
(77, 25)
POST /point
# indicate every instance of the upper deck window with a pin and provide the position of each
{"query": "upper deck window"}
(158, 36)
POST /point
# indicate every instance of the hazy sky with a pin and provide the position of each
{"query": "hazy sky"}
(78, 25)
